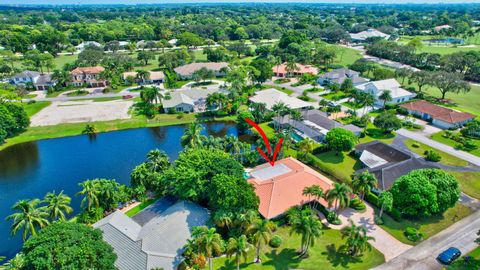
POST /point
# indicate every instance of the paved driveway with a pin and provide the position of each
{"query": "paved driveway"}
(384, 242)
(422, 257)
(440, 146)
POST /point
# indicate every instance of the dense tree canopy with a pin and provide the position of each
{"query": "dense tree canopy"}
(339, 139)
(425, 192)
(65, 245)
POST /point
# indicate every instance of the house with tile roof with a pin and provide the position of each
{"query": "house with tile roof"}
(272, 96)
(442, 117)
(156, 244)
(376, 88)
(387, 162)
(340, 75)
(185, 72)
(88, 76)
(281, 70)
(280, 187)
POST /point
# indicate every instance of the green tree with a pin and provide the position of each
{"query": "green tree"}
(91, 191)
(145, 56)
(209, 242)
(363, 183)
(305, 223)
(28, 217)
(189, 39)
(192, 137)
(339, 195)
(261, 231)
(314, 191)
(242, 125)
(422, 78)
(142, 75)
(357, 239)
(307, 146)
(151, 95)
(57, 205)
(385, 96)
(231, 194)
(425, 192)
(238, 247)
(387, 122)
(385, 199)
(448, 82)
(68, 245)
(339, 139)
(89, 130)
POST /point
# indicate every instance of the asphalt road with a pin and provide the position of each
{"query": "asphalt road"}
(440, 146)
(423, 256)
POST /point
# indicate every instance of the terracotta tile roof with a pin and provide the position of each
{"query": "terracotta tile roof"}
(301, 69)
(284, 188)
(438, 112)
(87, 70)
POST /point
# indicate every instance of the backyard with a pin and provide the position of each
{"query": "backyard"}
(325, 253)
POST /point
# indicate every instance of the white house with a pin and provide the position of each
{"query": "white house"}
(271, 97)
(36, 79)
(376, 88)
(83, 45)
(190, 100)
(369, 33)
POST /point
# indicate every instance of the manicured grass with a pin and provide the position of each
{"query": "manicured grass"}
(57, 93)
(269, 131)
(63, 130)
(474, 262)
(324, 255)
(30, 96)
(279, 88)
(469, 182)
(429, 226)
(33, 108)
(77, 93)
(341, 166)
(352, 105)
(346, 56)
(439, 138)
(334, 96)
(132, 212)
(446, 158)
(373, 133)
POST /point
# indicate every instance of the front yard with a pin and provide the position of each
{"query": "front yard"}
(440, 138)
(324, 255)
(447, 159)
(469, 182)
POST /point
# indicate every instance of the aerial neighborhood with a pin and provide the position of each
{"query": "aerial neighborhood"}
(239, 136)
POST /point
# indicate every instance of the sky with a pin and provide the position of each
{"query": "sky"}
(90, 2)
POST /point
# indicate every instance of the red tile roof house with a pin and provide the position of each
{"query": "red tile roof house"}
(442, 117)
(281, 70)
(281, 187)
(89, 76)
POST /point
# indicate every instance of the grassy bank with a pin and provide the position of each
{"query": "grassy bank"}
(323, 255)
(33, 108)
(64, 130)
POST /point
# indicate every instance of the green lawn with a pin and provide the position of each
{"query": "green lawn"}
(269, 131)
(132, 212)
(334, 96)
(429, 226)
(439, 138)
(447, 159)
(341, 166)
(346, 56)
(373, 133)
(473, 264)
(279, 88)
(33, 108)
(324, 255)
(352, 105)
(63, 130)
(469, 182)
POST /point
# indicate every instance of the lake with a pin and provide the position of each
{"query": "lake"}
(32, 169)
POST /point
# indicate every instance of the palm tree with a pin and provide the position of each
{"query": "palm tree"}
(340, 195)
(90, 190)
(304, 222)
(258, 111)
(61, 77)
(157, 160)
(209, 242)
(364, 182)
(385, 199)
(142, 75)
(385, 96)
(368, 101)
(280, 109)
(262, 231)
(57, 205)
(89, 130)
(28, 217)
(245, 220)
(15, 263)
(357, 239)
(151, 95)
(192, 136)
(306, 146)
(223, 219)
(296, 116)
(238, 247)
(314, 191)
(291, 67)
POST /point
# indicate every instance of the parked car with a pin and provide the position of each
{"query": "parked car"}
(449, 255)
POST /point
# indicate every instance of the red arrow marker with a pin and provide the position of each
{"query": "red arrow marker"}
(267, 143)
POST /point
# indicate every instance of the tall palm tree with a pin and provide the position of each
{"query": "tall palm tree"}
(280, 109)
(209, 242)
(157, 160)
(314, 191)
(385, 199)
(296, 116)
(262, 231)
(357, 239)
(385, 96)
(306, 146)
(15, 263)
(291, 67)
(340, 195)
(305, 223)
(28, 217)
(192, 137)
(223, 219)
(90, 190)
(258, 111)
(57, 205)
(364, 182)
(151, 95)
(238, 247)
(368, 101)
(142, 75)
(244, 220)
(61, 77)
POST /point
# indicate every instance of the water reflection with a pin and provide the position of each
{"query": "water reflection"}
(15, 160)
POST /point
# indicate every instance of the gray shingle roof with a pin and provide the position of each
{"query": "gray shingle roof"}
(189, 69)
(27, 74)
(188, 96)
(159, 243)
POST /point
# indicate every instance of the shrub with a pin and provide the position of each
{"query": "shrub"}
(413, 234)
(332, 218)
(402, 111)
(378, 220)
(415, 145)
(396, 215)
(357, 204)
(372, 198)
(180, 115)
(275, 242)
(431, 155)
(31, 101)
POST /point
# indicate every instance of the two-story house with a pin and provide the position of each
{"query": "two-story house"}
(89, 76)
(339, 76)
(376, 89)
(34, 79)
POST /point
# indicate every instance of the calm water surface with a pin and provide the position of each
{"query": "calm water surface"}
(30, 170)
